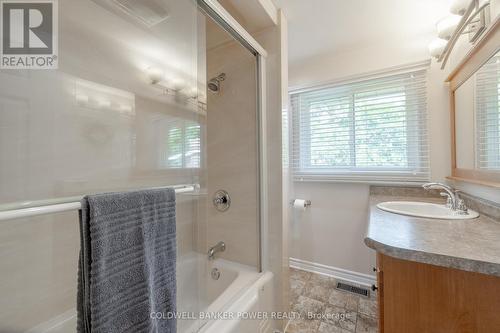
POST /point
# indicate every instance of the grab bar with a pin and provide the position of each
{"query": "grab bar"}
(50, 206)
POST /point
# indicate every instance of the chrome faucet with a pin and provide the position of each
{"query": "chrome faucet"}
(219, 247)
(454, 202)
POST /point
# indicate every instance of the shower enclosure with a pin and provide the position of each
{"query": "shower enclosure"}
(148, 94)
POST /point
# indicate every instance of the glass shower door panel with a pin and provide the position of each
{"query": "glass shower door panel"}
(121, 112)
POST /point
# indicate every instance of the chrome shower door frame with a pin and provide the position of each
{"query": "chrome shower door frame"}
(216, 12)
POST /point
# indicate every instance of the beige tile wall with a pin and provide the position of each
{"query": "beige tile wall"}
(232, 152)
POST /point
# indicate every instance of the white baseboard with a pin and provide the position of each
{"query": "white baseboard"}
(337, 273)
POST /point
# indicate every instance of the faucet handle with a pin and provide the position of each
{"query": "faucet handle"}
(462, 207)
(449, 201)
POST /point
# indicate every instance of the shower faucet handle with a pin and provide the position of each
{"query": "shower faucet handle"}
(221, 200)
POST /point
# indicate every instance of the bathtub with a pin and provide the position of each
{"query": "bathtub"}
(240, 289)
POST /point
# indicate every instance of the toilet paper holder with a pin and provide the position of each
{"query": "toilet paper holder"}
(307, 202)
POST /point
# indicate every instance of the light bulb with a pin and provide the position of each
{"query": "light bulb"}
(177, 84)
(82, 99)
(104, 103)
(155, 74)
(447, 26)
(436, 47)
(459, 7)
(193, 92)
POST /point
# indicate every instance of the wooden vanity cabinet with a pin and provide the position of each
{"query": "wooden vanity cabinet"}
(422, 298)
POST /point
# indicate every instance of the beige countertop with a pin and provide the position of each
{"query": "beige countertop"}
(471, 245)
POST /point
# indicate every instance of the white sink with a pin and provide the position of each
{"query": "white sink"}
(424, 209)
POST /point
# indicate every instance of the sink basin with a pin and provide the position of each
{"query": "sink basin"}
(424, 209)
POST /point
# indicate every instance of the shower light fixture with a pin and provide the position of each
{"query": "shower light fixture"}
(447, 26)
(436, 47)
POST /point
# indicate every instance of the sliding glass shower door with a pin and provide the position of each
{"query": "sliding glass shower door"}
(120, 112)
(150, 93)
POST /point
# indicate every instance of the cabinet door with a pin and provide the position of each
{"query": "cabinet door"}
(418, 298)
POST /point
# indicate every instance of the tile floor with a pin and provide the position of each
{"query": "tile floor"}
(332, 311)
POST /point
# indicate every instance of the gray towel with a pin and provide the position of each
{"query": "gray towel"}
(126, 271)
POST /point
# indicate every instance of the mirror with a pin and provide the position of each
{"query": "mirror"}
(477, 119)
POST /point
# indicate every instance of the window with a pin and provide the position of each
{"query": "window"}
(372, 130)
(488, 115)
(183, 145)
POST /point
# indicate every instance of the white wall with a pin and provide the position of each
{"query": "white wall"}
(331, 232)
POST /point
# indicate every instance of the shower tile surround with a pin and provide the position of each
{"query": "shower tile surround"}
(334, 311)
(232, 160)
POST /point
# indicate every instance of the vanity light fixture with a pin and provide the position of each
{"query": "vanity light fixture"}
(155, 74)
(104, 103)
(193, 93)
(82, 99)
(459, 7)
(436, 47)
(447, 26)
(470, 17)
(176, 84)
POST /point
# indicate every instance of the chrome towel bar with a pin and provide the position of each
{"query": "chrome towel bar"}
(50, 206)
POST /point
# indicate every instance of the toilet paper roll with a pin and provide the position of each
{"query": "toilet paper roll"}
(299, 204)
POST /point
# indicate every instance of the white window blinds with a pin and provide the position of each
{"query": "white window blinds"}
(181, 147)
(488, 115)
(373, 130)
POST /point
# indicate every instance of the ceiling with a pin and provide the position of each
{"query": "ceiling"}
(250, 14)
(324, 27)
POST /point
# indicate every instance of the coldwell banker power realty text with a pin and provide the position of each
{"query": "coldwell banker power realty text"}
(29, 34)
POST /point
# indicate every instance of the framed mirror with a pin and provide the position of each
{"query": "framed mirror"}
(475, 114)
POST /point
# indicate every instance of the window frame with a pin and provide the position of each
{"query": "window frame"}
(417, 153)
(166, 150)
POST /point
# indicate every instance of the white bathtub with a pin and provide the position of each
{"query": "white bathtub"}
(240, 289)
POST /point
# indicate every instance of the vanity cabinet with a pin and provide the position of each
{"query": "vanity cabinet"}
(422, 298)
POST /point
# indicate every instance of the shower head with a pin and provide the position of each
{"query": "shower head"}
(214, 83)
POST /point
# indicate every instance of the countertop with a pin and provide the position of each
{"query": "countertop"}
(470, 245)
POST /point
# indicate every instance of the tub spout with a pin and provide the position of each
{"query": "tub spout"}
(219, 247)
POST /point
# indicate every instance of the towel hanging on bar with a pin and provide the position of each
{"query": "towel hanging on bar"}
(127, 262)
